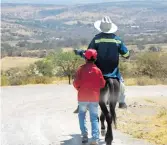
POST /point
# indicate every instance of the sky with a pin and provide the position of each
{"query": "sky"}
(58, 1)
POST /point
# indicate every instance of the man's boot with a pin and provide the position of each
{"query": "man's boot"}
(122, 106)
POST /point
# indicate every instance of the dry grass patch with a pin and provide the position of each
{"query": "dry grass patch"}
(144, 81)
(147, 121)
(59, 80)
(20, 62)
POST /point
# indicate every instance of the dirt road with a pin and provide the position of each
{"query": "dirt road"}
(43, 115)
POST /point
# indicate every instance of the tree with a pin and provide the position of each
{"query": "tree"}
(22, 43)
(45, 67)
(42, 54)
(154, 49)
(152, 64)
(66, 62)
(140, 46)
(6, 49)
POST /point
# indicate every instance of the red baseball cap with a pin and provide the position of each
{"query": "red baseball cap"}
(90, 53)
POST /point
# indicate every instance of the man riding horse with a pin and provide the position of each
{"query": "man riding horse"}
(108, 47)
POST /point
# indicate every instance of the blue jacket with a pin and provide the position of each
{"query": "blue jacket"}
(108, 47)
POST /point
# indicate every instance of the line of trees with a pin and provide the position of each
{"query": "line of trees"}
(39, 49)
(60, 64)
(65, 64)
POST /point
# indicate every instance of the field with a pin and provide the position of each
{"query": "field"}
(21, 62)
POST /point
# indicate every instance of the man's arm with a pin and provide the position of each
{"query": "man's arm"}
(79, 52)
(123, 50)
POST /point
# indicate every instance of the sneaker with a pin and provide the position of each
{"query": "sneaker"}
(122, 106)
(93, 143)
(85, 139)
(77, 110)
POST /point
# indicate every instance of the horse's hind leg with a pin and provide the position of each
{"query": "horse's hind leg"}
(106, 113)
(108, 136)
(112, 115)
(114, 99)
(114, 93)
(102, 119)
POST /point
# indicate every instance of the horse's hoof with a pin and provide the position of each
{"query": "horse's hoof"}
(103, 132)
(108, 141)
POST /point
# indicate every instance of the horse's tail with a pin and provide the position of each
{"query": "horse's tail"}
(114, 94)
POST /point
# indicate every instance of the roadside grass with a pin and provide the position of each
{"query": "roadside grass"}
(149, 101)
(152, 128)
(33, 80)
(143, 81)
(56, 80)
(162, 113)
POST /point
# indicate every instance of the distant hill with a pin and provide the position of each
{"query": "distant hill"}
(122, 13)
(40, 26)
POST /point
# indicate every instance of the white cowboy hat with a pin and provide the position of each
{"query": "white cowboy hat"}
(105, 25)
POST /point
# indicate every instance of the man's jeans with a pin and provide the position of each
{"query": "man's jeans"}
(93, 111)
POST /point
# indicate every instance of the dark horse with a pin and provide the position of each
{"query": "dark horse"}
(109, 95)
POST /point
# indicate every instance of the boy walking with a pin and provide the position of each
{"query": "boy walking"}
(88, 81)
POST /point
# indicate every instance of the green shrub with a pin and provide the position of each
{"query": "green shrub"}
(44, 67)
(43, 80)
(4, 81)
(151, 64)
(16, 76)
(16, 81)
(36, 80)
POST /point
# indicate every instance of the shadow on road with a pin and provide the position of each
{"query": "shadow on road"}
(76, 140)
